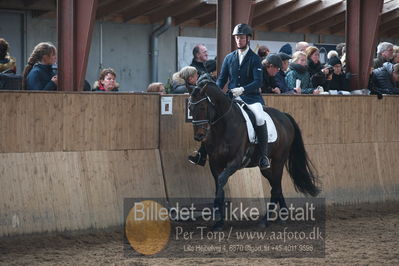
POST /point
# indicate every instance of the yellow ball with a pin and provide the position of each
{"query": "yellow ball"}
(148, 227)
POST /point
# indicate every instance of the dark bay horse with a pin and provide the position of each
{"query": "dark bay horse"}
(220, 125)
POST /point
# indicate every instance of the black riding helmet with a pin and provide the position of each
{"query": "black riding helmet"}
(242, 29)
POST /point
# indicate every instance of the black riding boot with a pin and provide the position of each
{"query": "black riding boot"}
(200, 157)
(261, 133)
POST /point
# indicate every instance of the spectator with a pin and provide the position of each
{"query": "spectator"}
(336, 79)
(86, 86)
(280, 76)
(39, 73)
(210, 67)
(301, 46)
(395, 59)
(210, 75)
(156, 87)
(340, 49)
(187, 78)
(384, 54)
(386, 78)
(178, 84)
(263, 52)
(332, 53)
(7, 63)
(299, 71)
(316, 71)
(287, 49)
(200, 56)
(271, 65)
(106, 81)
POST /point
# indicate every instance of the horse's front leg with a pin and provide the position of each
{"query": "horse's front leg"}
(219, 199)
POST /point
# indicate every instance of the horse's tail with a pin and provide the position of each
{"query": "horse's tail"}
(299, 165)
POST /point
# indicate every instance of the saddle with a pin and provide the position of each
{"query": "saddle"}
(250, 119)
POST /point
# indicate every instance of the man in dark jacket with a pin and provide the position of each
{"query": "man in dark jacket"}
(271, 66)
(336, 80)
(384, 54)
(386, 78)
(243, 69)
(200, 56)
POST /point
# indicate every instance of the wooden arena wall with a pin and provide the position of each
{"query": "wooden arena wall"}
(69, 159)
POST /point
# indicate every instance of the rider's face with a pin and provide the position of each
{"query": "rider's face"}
(241, 41)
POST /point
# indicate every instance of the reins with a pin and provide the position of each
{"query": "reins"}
(211, 123)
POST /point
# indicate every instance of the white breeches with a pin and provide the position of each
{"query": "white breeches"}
(257, 110)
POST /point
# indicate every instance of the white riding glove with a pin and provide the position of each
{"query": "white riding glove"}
(237, 91)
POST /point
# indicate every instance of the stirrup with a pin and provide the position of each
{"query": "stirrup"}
(197, 159)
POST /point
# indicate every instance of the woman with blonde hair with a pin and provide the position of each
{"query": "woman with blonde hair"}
(184, 80)
(157, 87)
(39, 73)
(299, 71)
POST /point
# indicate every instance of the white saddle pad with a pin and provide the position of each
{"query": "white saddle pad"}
(271, 128)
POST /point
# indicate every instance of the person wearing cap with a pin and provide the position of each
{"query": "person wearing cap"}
(286, 48)
(279, 78)
(336, 79)
(242, 69)
(271, 66)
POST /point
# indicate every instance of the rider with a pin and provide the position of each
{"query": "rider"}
(243, 69)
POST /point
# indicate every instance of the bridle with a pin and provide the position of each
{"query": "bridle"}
(201, 123)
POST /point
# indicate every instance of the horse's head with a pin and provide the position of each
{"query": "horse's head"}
(203, 112)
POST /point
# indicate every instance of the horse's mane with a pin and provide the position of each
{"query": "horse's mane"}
(213, 91)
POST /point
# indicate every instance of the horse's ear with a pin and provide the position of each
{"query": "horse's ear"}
(193, 90)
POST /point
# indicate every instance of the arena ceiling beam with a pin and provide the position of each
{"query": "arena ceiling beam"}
(363, 19)
(286, 11)
(262, 8)
(387, 18)
(298, 15)
(194, 13)
(109, 9)
(390, 6)
(174, 9)
(207, 19)
(337, 28)
(327, 23)
(142, 9)
(318, 17)
(28, 5)
(385, 28)
(75, 21)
